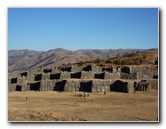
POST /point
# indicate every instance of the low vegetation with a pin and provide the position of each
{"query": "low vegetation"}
(135, 58)
(70, 106)
(23, 60)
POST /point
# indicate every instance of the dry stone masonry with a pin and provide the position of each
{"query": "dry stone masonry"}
(88, 78)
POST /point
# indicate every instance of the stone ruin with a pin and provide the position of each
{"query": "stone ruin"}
(127, 79)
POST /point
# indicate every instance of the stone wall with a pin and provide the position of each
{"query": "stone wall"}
(86, 78)
(122, 86)
(87, 75)
(101, 85)
(65, 75)
(144, 72)
(72, 86)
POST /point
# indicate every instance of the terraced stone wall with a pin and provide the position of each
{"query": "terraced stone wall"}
(86, 78)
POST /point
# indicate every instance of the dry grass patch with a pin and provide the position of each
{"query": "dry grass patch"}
(68, 106)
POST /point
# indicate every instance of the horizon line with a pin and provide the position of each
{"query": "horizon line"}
(83, 49)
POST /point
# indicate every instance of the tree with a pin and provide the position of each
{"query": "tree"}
(98, 60)
(41, 67)
(81, 62)
(144, 56)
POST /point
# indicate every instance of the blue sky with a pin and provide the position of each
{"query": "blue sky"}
(82, 28)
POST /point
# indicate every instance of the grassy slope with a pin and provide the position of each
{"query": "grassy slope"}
(145, 58)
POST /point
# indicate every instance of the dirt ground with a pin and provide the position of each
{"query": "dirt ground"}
(69, 106)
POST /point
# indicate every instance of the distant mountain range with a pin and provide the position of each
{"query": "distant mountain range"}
(20, 60)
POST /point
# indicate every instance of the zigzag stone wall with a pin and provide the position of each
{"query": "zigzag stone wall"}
(86, 78)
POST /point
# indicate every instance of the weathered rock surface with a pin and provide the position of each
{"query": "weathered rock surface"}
(126, 79)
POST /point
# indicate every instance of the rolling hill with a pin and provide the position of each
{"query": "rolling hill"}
(20, 60)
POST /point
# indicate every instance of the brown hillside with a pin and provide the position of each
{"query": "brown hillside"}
(20, 60)
(136, 58)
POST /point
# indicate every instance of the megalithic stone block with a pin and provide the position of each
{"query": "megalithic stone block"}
(65, 75)
(87, 75)
(12, 87)
(46, 76)
(130, 87)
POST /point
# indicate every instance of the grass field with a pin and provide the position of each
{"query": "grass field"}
(68, 106)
